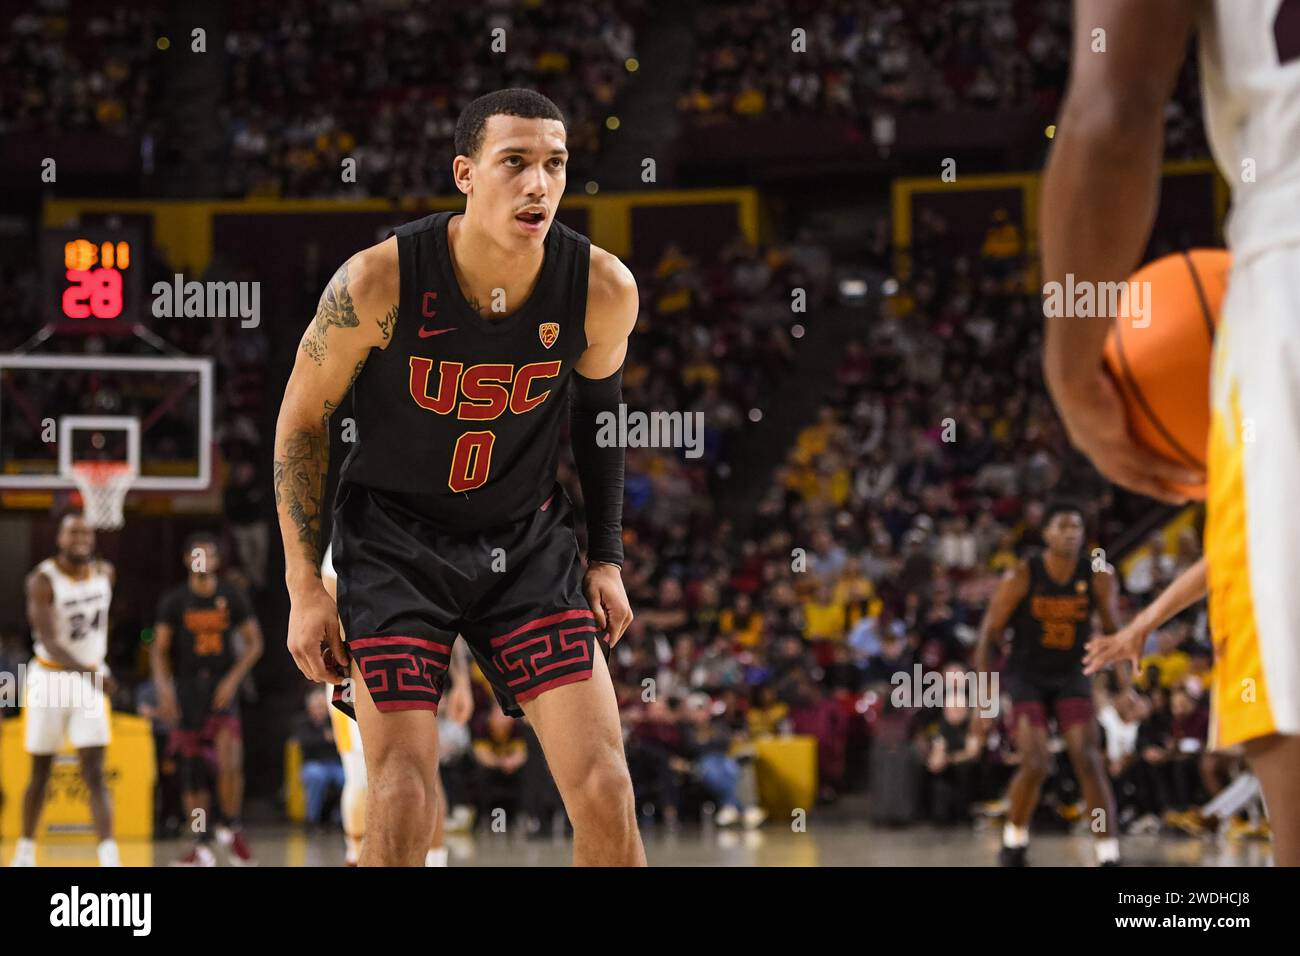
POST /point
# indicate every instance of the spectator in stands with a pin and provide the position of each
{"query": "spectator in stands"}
(500, 753)
(708, 741)
(245, 501)
(952, 758)
(322, 770)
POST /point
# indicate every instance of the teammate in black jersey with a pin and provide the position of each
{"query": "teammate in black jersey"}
(198, 666)
(466, 341)
(1049, 600)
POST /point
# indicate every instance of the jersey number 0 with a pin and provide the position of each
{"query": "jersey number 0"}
(471, 460)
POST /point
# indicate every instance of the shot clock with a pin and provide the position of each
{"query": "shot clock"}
(93, 276)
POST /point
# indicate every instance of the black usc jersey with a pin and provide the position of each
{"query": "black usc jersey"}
(459, 419)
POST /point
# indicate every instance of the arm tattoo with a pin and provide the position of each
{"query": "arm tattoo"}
(332, 407)
(299, 469)
(334, 309)
(387, 322)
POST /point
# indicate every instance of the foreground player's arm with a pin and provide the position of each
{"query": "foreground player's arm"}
(1100, 191)
(612, 305)
(1126, 643)
(40, 617)
(356, 313)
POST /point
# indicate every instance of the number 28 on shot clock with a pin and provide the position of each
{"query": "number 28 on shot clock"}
(94, 274)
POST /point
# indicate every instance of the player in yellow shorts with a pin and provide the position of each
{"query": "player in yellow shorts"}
(1099, 199)
(347, 737)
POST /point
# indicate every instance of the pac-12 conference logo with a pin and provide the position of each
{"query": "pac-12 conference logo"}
(548, 332)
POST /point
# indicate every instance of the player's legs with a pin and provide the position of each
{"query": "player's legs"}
(401, 748)
(347, 738)
(195, 773)
(89, 730)
(352, 803)
(1084, 748)
(34, 795)
(1022, 793)
(195, 795)
(46, 725)
(578, 727)
(230, 772)
(1276, 761)
(226, 734)
(1035, 762)
(1035, 767)
(437, 855)
(1251, 531)
(92, 774)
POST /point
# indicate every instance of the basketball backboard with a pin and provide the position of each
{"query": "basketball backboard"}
(152, 413)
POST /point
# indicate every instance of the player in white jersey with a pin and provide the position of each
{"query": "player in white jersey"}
(453, 718)
(68, 682)
(1099, 200)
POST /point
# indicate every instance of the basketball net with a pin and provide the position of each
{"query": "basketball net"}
(103, 486)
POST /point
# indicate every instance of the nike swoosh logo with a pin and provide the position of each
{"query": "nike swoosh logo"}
(425, 333)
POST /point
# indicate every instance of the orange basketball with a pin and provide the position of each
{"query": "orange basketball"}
(1161, 361)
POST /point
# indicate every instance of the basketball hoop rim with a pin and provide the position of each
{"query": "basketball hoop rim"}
(102, 469)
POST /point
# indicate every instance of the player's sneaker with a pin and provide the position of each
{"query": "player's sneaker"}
(1186, 821)
(1013, 856)
(236, 847)
(198, 855)
(460, 820)
(1148, 824)
(1243, 829)
(727, 816)
(108, 854)
(753, 817)
(24, 853)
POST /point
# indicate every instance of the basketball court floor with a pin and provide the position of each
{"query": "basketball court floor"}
(835, 844)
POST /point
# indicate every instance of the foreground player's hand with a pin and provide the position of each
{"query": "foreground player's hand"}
(1107, 649)
(1098, 426)
(313, 631)
(603, 587)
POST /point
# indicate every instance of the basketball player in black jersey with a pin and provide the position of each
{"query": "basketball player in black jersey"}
(197, 668)
(466, 341)
(1049, 600)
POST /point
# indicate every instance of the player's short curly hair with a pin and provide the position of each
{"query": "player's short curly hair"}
(1063, 506)
(527, 104)
(198, 538)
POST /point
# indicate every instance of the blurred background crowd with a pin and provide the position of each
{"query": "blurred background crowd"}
(865, 545)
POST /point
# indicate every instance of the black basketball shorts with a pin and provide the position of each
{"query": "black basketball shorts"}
(407, 588)
(1066, 697)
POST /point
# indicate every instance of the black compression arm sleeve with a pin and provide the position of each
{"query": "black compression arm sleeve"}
(600, 470)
